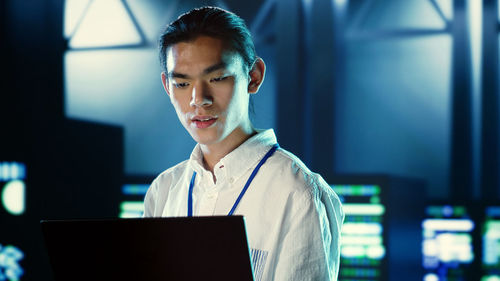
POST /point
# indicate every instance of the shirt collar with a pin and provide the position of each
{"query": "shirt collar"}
(241, 159)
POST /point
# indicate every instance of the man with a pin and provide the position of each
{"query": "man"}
(293, 217)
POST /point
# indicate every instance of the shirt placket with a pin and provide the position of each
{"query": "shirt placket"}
(208, 202)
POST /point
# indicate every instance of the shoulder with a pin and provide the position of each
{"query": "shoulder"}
(296, 175)
(309, 195)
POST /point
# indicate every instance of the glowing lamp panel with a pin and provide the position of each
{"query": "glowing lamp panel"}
(12, 187)
(447, 246)
(362, 249)
(131, 207)
(491, 244)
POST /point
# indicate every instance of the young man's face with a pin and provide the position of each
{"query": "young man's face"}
(209, 89)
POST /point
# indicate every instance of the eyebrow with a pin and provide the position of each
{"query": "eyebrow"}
(210, 69)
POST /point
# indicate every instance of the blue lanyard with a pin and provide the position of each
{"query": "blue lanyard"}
(250, 179)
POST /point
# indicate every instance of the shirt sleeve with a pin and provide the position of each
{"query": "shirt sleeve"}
(310, 248)
(149, 201)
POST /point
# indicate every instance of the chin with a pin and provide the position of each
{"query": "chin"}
(205, 138)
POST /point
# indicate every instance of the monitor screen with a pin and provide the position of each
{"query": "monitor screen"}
(447, 247)
(362, 249)
(491, 244)
(12, 187)
(12, 209)
(133, 205)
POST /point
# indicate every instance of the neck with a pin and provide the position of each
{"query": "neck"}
(213, 153)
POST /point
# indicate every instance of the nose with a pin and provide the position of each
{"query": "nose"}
(200, 95)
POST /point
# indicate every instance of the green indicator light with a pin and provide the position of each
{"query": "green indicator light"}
(434, 211)
(491, 278)
(131, 209)
(356, 190)
(363, 209)
(340, 189)
(136, 206)
(493, 224)
(459, 211)
(375, 200)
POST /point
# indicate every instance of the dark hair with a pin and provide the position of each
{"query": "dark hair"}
(213, 22)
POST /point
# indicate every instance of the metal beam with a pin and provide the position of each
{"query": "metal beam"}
(135, 23)
(261, 16)
(396, 33)
(289, 94)
(490, 163)
(325, 70)
(461, 129)
(361, 15)
(439, 11)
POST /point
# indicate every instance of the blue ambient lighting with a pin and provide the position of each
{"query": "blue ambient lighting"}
(12, 171)
(135, 189)
(10, 270)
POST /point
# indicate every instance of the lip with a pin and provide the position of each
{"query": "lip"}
(203, 121)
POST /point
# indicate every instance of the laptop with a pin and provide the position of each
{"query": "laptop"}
(150, 249)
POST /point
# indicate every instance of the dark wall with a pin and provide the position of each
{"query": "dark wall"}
(74, 168)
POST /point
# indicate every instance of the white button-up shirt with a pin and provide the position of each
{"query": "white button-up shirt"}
(293, 217)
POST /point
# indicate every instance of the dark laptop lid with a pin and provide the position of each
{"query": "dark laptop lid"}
(197, 248)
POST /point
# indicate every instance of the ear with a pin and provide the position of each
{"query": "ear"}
(164, 81)
(256, 74)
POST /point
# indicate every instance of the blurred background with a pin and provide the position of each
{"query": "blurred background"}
(395, 102)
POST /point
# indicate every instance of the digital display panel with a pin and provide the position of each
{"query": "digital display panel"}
(12, 187)
(133, 205)
(447, 247)
(491, 244)
(12, 201)
(362, 251)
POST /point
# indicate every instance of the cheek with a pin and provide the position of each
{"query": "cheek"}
(228, 102)
(179, 106)
(241, 96)
(236, 103)
(178, 100)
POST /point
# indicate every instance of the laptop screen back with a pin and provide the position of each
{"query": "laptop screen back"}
(197, 248)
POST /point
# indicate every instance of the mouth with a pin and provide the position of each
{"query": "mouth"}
(202, 122)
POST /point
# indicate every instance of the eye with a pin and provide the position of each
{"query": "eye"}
(218, 79)
(181, 85)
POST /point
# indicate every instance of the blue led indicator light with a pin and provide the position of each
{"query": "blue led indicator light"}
(135, 189)
(10, 270)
